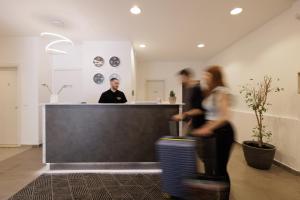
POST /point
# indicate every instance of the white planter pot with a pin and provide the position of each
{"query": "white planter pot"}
(172, 100)
(54, 98)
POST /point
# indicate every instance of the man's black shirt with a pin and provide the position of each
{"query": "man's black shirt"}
(112, 97)
(196, 103)
(193, 100)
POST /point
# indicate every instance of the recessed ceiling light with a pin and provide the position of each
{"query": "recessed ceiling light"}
(143, 46)
(236, 11)
(201, 45)
(135, 10)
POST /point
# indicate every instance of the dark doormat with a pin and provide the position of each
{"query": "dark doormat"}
(92, 187)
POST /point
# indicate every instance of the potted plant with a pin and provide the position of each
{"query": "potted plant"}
(258, 153)
(172, 97)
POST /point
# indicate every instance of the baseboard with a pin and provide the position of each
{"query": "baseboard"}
(20, 145)
(37, 145)
(9, 145)
(287, 168)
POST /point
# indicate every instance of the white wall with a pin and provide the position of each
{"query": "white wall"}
(80, 59)
(106, 50)
(271, 50)
(133, 74)
(24, 52)
(68, 69)
(167, 71)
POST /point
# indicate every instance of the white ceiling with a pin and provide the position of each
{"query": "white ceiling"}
(170, 28)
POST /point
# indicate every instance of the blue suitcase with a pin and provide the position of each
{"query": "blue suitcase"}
(177, 157)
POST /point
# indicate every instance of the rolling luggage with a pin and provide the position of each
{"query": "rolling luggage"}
(177, 158)
(206, 189)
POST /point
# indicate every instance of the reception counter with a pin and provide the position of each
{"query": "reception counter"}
(105, 133)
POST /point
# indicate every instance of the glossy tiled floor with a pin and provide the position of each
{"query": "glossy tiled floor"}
(9, 152)
(247, 183)
(252, 184)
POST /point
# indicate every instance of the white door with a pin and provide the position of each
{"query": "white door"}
(70, 77)
(155, 89)
(8, 107)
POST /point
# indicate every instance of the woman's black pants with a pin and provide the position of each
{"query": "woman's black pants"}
(215, 151)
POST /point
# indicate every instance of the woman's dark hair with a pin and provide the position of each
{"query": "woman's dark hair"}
(217, 76)
(186, 72)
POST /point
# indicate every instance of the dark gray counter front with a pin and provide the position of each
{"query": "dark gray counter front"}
(105, 133)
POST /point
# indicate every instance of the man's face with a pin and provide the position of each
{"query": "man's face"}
(184, 79)
(115, 84)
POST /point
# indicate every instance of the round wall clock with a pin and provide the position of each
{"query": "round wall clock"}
(98, 78)
(114, 61)
(117, 76)
(98, 61)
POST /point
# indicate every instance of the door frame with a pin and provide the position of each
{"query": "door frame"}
(56, 69)
(148, 80)
(15, 67)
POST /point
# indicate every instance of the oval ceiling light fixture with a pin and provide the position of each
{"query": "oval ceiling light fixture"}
(142, 45)
(135, 10)
(236, 11)
(200, 45)
(59, 39)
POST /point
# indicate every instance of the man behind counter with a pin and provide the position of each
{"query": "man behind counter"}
(113, 95)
